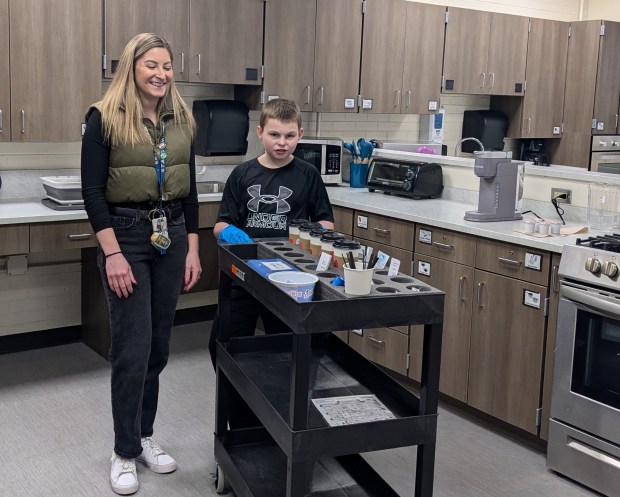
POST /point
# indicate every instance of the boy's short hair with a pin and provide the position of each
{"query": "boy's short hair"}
(282, 109)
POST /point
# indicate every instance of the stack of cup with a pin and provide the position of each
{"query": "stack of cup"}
(327, 242)
(304, 234)
(342, 248)
(293, 230)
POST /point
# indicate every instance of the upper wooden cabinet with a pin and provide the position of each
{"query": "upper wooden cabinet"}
(226, 41)
(312, 53)
(199, 32)
(424, 39)
(401, 59)
(592, 90)
(539, 113)
(485, 53)
(49, 96)
(337, 55)
(5, 93)
(126, 18)
(383, 56)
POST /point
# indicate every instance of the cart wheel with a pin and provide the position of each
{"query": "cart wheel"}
(220, 480)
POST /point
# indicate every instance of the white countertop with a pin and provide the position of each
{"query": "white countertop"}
(31, 210)
(441, 213)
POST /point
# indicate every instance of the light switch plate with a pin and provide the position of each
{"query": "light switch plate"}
(349, 103)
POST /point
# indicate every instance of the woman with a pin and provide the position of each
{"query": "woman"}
(139, 190)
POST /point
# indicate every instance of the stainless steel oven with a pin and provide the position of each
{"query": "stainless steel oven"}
(605, 154)
(584, 433)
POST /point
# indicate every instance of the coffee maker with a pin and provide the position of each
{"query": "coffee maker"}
(501, 188)
(532, 151)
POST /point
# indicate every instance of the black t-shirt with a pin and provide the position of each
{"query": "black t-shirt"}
(261, 201)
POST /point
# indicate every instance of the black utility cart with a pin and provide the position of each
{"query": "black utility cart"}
(296, 452)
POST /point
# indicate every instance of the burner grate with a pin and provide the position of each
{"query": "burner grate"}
(608, 243)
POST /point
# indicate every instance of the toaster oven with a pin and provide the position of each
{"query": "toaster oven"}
(415, 179)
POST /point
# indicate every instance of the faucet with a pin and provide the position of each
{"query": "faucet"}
(458, 144)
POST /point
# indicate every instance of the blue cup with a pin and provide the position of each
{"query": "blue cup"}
(357, 175)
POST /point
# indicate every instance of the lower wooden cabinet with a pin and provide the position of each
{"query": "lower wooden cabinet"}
(385, 346)
(507, 343)
(63, 235)
(343, 220)
(457, 281)
(14, 239)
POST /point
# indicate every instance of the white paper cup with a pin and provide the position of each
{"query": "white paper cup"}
(357, 281)
(555, 228)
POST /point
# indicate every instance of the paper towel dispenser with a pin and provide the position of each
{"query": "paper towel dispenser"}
(222, 127)
(488, 126)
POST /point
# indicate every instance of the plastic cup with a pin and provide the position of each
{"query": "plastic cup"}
(296, 284)
(555, 228)
(357, 281)
(357, 175)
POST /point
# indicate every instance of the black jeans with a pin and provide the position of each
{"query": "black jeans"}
(140, 325)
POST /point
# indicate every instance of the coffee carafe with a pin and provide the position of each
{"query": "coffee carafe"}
(500, 194)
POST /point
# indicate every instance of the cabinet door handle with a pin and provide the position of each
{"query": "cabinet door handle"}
(479, 295)
(462, 282)
(375, 341)
(555, 281)
(492, 78)
(182, 62)
(383, 232)
(509, 262)
(308, 95)
(443, 246)
(199, 60)
(322, 94)
(616, 125)
(483, 78)
(22, 118)
(408, 98)
(80, 236)
(1, 122)
(529, 124)
(397, 98)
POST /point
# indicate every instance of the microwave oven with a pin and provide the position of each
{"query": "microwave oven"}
(323, 153)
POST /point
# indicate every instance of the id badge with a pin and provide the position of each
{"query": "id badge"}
(160, 224)
(159, 238)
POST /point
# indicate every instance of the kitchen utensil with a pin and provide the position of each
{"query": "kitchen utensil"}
(366, 149)
(351, 148)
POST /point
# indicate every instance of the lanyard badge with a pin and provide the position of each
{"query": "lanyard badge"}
(159, 238)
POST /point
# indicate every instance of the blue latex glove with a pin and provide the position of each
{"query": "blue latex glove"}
(232, 234)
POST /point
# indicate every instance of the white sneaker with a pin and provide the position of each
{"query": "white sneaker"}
(123, 477)
(155, 458)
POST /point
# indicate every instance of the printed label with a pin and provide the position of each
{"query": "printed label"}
(531, 299)
(394, 265)
(424, 268)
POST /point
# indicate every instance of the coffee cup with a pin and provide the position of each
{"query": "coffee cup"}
(357, 281)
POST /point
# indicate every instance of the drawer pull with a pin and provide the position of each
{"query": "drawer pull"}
(509, 262)
(374, 340)
(443, 246)
(555, 281)
(381, 231)
(479, 297)
(462, 282)
(81, 236)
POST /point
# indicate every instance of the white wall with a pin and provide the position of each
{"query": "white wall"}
(602, 9)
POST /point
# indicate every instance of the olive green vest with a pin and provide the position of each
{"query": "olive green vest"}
(132, 176)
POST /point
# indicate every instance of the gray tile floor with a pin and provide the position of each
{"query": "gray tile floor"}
(56, 435)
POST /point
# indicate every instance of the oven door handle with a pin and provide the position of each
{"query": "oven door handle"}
(594, 303)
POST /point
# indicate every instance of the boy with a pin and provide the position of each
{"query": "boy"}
(261, 196)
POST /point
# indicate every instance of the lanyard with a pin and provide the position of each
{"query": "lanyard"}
(159, 158)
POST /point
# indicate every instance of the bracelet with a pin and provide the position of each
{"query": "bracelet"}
(113, 253)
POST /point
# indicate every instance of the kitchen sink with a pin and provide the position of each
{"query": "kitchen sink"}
(209, 187)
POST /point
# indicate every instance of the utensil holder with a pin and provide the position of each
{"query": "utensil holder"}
(357, 174)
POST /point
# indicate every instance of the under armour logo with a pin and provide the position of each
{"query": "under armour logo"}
(257, 198)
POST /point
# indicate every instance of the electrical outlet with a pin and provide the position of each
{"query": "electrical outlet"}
(559, 193)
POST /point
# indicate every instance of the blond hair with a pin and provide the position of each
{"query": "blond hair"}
(121, 107)
(281, 109)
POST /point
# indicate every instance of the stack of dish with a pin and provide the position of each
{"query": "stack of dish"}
(63, 191)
